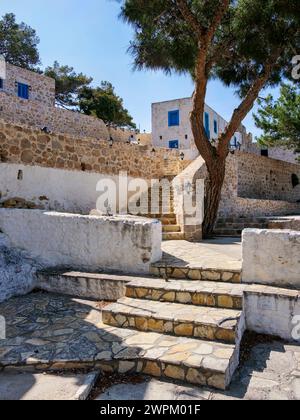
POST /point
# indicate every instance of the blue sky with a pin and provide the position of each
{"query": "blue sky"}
(90, 37)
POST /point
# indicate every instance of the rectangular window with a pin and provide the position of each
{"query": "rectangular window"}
(233, 142)
(173, 118)
(215, 126)
(174, 144)
(1, 83)
(264, 152)
(23, 91)
(206, 124)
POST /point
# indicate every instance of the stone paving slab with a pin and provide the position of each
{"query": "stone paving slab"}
(205, 293)
(272, 372)
(174, 318)
(214, 254)
(45, 387)
(54, 332)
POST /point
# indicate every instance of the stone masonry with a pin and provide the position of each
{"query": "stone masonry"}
(19, 144)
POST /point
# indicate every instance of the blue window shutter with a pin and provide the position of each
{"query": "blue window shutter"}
(206, 125)
(174, 144)
(215, 126)
(173, 118)
(23, 91)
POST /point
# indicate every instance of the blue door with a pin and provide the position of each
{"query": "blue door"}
(206, 124)
(174, 144)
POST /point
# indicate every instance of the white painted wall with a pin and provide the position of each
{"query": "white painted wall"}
(160, 126)
(122, 243)
(70, 191)
(273, 313)
(271, 257)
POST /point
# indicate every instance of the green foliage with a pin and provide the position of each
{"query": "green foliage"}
(280, 119)
(68, 84)
(18, 43)
(102, 102)
(250, 33)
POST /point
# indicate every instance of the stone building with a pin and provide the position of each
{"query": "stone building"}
(27, 85)
(28, 98)
(277, 153)
(171, 126)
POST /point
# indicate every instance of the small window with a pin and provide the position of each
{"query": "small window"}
(206, 124)
(1, 84)
(215, 126)
(160, 137)
(173, 118)
(264, 152)
(23, 91)
(174, 144)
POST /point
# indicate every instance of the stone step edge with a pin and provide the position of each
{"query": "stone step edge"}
(224, 300)
(187, 273)
(209, 377)
(116, 317)
(106, 286)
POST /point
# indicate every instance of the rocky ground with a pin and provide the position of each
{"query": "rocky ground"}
(17, 270)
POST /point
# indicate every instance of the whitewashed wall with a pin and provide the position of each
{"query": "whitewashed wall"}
(160, 124)
(274, 313)
(123, 243)
(71, 191)
(271, 257)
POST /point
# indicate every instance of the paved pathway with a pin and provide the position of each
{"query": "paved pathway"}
(27, 386)
(58, 332)
(218, 254)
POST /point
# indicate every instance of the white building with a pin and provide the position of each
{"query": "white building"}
(171, 126)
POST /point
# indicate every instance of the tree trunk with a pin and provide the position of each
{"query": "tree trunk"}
(213, 189)
(215, 163)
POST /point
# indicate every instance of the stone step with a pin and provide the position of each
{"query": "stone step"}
(96, 286)
(203, 293)
(173, 236)
(241, 226)
(235, 233)
(171, 228)
(243, 220)
(168, 220)
(175, 271)
(174, 318)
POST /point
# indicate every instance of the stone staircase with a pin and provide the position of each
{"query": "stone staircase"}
(234, 226)
(196, 324)
(205, 318)
(164, 211)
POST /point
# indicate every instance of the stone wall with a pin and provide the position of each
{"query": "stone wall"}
(123, 243)
(41, 88)
(38, 115)
(278, 153)
(22, 145)
(246, 175)
(265, 178)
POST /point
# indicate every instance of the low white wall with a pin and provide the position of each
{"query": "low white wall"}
(53, 189)
(121, 243)
(271, 257)
(273, 313)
